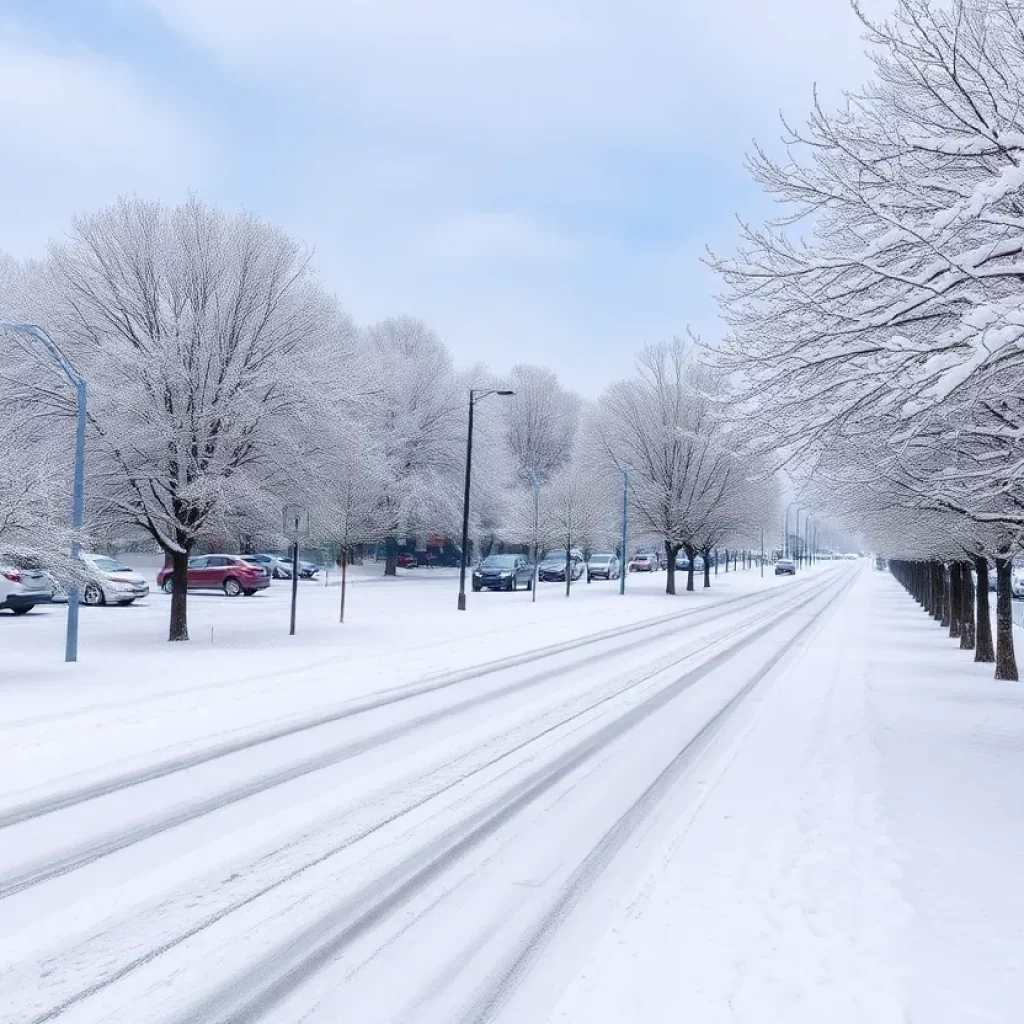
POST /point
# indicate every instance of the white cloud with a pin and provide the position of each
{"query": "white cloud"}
(532, 70)
(78, 130)
(496, 166)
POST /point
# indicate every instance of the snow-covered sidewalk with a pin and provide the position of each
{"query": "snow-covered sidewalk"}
(857, 859)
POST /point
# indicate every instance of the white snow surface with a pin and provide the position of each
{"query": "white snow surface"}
(780, 800)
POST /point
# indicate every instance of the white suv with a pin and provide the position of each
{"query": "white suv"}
(22, 585)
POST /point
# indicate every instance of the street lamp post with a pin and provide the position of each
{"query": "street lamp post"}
(625, 530)
(536, 529)
(785, 528)
(37, 333)
(474, 397)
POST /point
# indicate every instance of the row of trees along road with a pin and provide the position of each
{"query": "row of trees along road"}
(225, 380)
(878, 322)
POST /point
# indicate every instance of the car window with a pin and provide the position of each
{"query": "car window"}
(218, 561)
(198, 563)
(499, 561)
(105, 564)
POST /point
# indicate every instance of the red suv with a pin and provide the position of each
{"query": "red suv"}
(229, 573)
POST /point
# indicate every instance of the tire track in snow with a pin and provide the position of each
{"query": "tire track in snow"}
(74, 796)
(213, 918)
(489, 1003)
(253, 993)
(87, 853)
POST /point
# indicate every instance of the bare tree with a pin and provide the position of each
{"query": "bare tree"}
(542, 419)
(416, 421)
(203, 336)
(664, 426)
(575, 510)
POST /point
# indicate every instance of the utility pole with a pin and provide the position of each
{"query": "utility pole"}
(536, 529)
(37, 333)
(625, 530)
(474, 397)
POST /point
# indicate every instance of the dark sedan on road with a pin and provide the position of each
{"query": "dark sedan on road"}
(503, 572)
(785, 567)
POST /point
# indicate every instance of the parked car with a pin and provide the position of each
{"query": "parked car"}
(643, 563)
(406, 561)
(603, 567)
(307, 570)
(1017, 580)
(108, 581)
(785, 567)
(276, 566)
(503, 572)
(58, 595)
(23, 584)
(552, 566)
(230, 573)
(683, 563)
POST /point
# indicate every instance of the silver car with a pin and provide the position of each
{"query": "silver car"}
(23, 585)
(108, 581)
(603, 567)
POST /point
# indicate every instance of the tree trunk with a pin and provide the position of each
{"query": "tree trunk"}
(179, 596)
(671, 550)
(1006, 661)
(955, 598)
(983, 650)
(344, 563)
(568, 569)
(966, 608)
(944, 582)
(690, 554)
(707, 567)
(938, 598)
(726, 559)
(716, 561)
(391, 556)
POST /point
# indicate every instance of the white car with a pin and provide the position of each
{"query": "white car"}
(107, 581)
(22, 585)
(1017, 580)
(276, 567)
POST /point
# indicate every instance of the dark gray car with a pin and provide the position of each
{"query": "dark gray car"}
(503, 572)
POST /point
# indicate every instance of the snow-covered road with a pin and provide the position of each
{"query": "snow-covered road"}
(672, 813)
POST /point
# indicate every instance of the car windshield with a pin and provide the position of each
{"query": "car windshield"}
(105, 564)
(499, 562)
(601, 558)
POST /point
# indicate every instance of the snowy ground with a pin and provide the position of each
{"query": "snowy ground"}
(784, 800)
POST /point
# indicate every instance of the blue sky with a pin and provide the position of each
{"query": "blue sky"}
(535, 179)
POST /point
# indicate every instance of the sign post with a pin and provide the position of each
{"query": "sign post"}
(296, 525)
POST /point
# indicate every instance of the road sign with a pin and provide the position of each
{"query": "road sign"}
(296, 522)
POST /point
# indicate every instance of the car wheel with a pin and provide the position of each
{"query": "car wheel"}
(232, 587)
(23, 610)
(167, 586)
(92, 595)
(529, 583)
